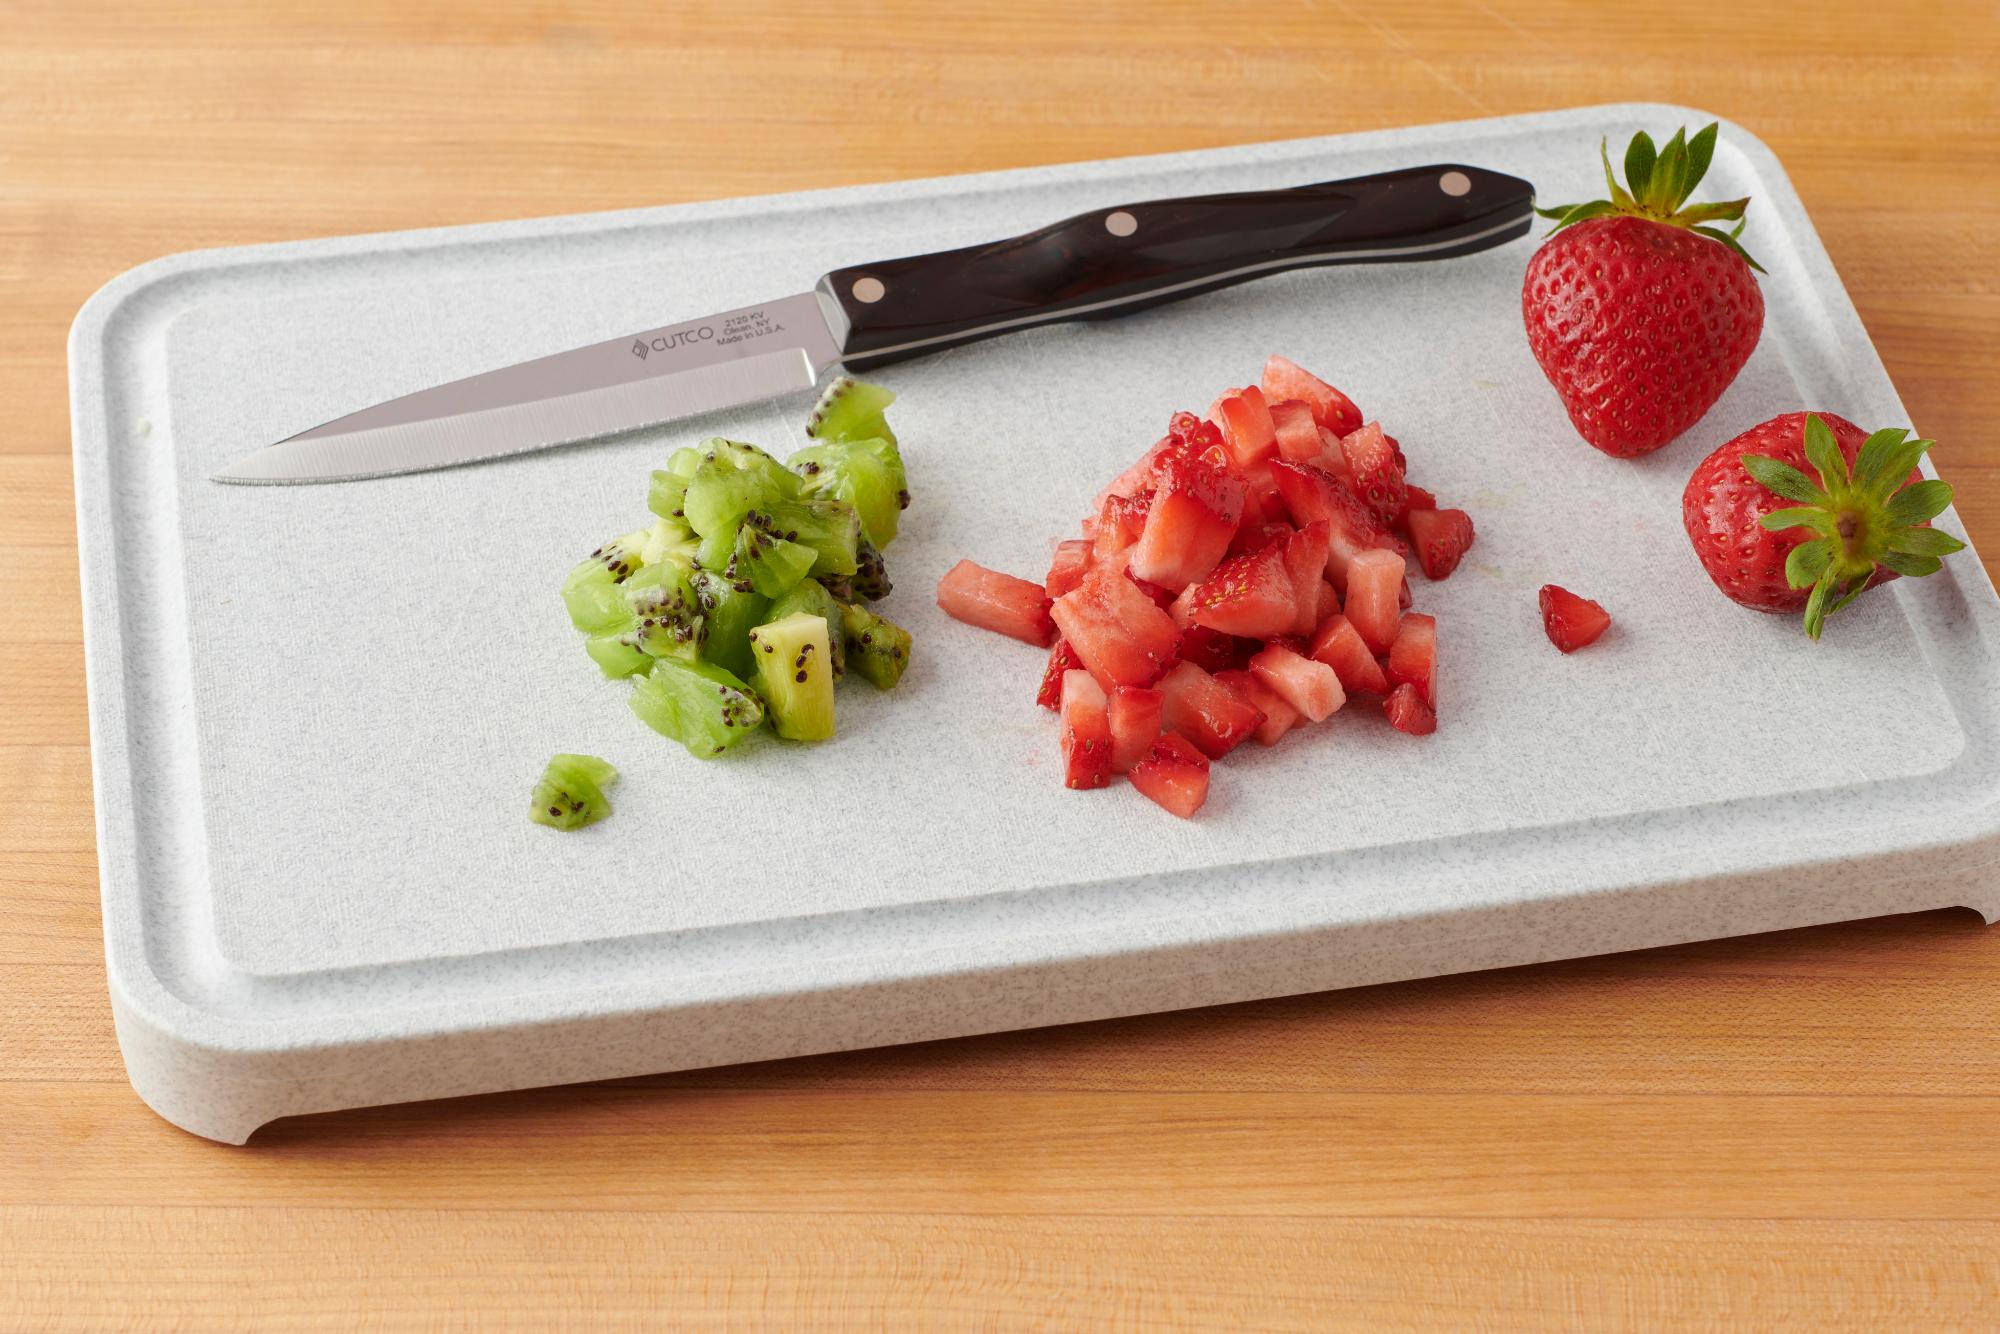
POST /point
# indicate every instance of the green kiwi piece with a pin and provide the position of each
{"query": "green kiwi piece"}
(590, 589)
(830, 527)
(751, 459)
(850, 471)
(615, 655)
(795, 674)
(811, 598)
(730, 609)
(666, 619)
(570, 792)
(669, 484)
(851, 409)
(698, 704)
(718, 496)
(877, 648)
(871, 574)
(772, 564)
(670, 541)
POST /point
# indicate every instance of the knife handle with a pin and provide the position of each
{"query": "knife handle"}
(1114, 261)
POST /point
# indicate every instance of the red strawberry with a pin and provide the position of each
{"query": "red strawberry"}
(1086, 732)
(1210, 650)
(1072, 558)
(1298, 433)
(1376, 466)
(1414, 498)
(1330, 408)
(1571, 621)
(1305, 561)
(1196, 507)
(1206, 711)
(1413, 656)
(1279, 717)
(1639, 312)
(1175, 776)
(1440, 538)
(998, 602)
(1313, 493)
(1248, 595)
(1135, 724)
(1061, 659)
(1123, 638)
(1256, 536)
(1775, 538)
(1327, 604)
(1246, 425)
(1408, 713)
(1311, 687)
(1338, 645)
(1373, 607)
(1120, 521)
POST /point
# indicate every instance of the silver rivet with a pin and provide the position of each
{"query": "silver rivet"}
(1455, 183)
(869, 290)
(1121, 223)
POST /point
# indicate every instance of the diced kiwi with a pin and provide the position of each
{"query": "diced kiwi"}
(730, 609)
(851, 409)
(669, 484)
(795, 674)
(830, 527)
(751, 459)
(812, 598)
(719, 496)
(849, 471)
(615, 655)
(702, 706)
(570, 792)
(590, 590)
(773, 565)
(669, 540)
(666, 616)
(877, 648)
(871, 575)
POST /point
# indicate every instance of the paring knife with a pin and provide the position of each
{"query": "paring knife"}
(1097, 265)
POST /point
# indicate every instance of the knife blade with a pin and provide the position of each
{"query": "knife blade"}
(1098, 265)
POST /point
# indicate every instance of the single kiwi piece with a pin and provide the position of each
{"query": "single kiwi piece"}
(698, 704)
(718, 496)
(795, 675)
(670, 484)
(850, 472)
(812, 598)
(570, 792)
(851, 409)
(877, 648)
(871, 574)
(616, 655)
(666, 615)
(730, 609)
(590, 590)
(830, 527)
(670, 541)
(772, 564)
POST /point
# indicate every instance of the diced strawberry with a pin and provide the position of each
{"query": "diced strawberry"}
(1250, 596)
(1210, 650)
(1196, 507)
(1313, 493)
(1376, 470)
(1072, 558)
(1330, 408)
(1413, 656)
(1331, 458)
(1135, 725)
(1308, 686)
(1416, 498)
(1139, 476)
(1206, 711)
(1571, 621)
(1408, 713)
(1298, 434)
(1181, 609)
(1327, 605)
(997, 602)
(1123, 638)
(1404, 598)
(1440, 538)
(1305, 561)
(1374, 579)
(1175, 776)
(1338, 645)
(1086, 732)
(1061, 659)
(1246, 425)
(1258, 535)
(1261, 499)
(1279, 717)
(1162, 597)
(1120, 521)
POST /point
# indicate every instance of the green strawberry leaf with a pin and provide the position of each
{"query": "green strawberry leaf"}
(1718, 212)
(1701, 150)
(1876, 456)
(1925, 542)
(1824, 454)
(1808, 516)
(1809, 562)
(1611, 187)
(1816, 608)
(1915, 567)
(1919, 502)
(1783, 479)
(1729, 239)
(1639, 159)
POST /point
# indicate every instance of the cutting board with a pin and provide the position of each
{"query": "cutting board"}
(316, 711)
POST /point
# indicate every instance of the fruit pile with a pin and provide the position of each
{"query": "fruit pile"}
(1244, 578)
(741, 603)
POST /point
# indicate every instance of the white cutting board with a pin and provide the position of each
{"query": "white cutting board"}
(317, 711)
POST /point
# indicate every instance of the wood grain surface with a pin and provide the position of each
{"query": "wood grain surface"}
(1790, 1130)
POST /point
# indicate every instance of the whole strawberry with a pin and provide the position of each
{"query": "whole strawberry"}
(1774, 538)
(1638, 310)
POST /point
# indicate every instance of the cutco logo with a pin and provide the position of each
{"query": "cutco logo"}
(679, 338)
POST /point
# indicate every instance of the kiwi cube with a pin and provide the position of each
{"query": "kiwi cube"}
(698, 704)
(850, 409)
(877, 648)
(570, 792)
(849, 472)
(730, 609)
(813, 599)
(795, 674)
(773, 565)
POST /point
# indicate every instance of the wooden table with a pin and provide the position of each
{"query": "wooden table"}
(1795, 1127)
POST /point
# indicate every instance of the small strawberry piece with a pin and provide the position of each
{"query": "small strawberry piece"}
(1072, 558)
(1571, 621)
(1196, 508)
(1413, 656)
(1331, 458)
(1377, 471)
(1211, 650)
(1181, 609)
(1279, 717)
(1246, 425)
(1206, 711)
(1328, 603)
(1313, 493)
(1260, 496)
(1120, 521)
(1440, 538)
(1305, 561)
(1408, 713)
(1139, 476)
(1414, 498)
(1338, 645)
(1298, 434)
(1404, 598)
(1175, 776)
(1086, 732)
(1122, 636)
(1162, 597)
(1135, 724)
(1330, 408)
(1374, 580)
(1061, 659)
(997, 602)
(1249, 596)
(1308, 686)
(1256, 536)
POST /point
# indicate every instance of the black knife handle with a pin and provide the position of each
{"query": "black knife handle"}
(1117, 260)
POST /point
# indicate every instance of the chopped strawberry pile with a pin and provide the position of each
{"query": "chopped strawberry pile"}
(1246, 577)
